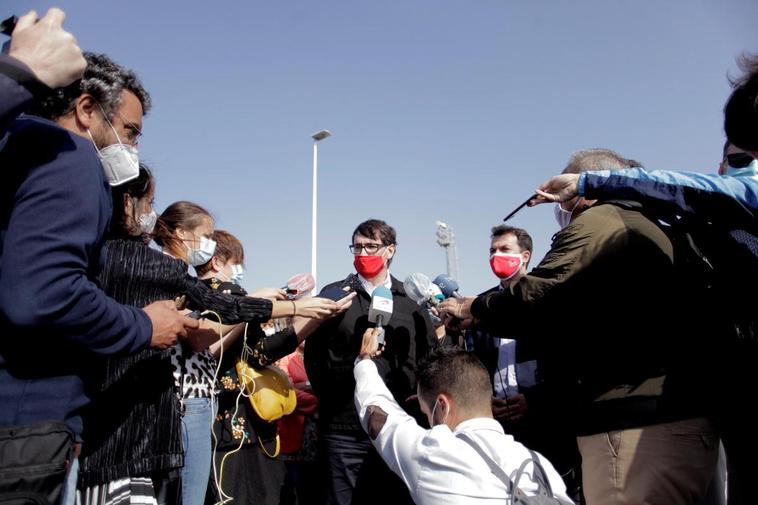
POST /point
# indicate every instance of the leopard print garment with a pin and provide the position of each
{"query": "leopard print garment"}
(193, 373)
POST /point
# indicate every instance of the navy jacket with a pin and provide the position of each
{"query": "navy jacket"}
(16, 85)
(54, 210)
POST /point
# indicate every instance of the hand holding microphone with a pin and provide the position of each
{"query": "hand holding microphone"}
(370, 347)
(270, 293)
(455, 311)
(299, 285)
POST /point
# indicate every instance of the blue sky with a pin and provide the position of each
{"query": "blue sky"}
(439, 109)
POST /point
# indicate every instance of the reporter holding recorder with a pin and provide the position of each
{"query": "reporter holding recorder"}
(245, 469)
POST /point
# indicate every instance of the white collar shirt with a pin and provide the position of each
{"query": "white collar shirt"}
(437, 466)
(369, 288)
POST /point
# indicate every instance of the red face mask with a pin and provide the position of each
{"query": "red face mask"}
(505, 265)
(368, 266)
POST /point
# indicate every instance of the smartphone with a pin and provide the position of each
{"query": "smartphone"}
(335, 292)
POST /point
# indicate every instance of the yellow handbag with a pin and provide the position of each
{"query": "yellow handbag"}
(269, 390)
(271, 395)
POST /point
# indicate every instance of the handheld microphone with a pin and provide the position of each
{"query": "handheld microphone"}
(380, 310)
(448, 286)
(299, 285)
(423, 291)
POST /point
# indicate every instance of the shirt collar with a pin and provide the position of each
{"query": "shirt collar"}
(479, 423)
(369, 288)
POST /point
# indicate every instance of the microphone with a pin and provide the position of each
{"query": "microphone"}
(447, 285)
(299, 285)
(423, 291)
(380, 310)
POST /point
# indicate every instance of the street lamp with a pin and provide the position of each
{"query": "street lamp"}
(317, 137)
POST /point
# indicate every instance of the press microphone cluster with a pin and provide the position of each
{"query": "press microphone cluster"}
(380, 310)
(299, 285)
(423, 291)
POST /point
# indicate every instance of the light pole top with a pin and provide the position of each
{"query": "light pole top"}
(321, 135)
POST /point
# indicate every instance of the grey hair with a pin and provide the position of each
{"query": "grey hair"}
(598, 159)
(104, 79)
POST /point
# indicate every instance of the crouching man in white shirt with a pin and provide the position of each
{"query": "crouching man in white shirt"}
(465, 458)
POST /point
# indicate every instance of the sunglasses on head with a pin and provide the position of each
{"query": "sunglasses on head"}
(739, 160)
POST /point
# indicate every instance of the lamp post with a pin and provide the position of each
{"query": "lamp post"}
(446, 240)
(317, 137)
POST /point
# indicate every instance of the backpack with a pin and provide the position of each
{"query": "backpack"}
(718, 266)
(714, 263)
(515, 495)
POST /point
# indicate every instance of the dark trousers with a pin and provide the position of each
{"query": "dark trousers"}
(356, 474)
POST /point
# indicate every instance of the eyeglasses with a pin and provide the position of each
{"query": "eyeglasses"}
(133, 133)
(739, 160)
(369, 249)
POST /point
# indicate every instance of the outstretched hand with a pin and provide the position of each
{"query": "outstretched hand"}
(559, 188)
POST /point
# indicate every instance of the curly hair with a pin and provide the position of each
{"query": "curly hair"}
(104, 79)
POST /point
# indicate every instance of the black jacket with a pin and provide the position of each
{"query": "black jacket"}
(331, 351)
(604, 308)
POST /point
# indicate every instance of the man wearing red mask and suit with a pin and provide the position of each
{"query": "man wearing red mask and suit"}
(355, 472)
(520, 398)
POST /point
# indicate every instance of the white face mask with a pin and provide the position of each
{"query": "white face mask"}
(146, 222)
(751, 169)
(238, 272)
(562, 215)
(203, 254)
(120, 161)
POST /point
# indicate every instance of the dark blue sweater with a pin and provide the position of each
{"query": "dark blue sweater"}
(54, 209)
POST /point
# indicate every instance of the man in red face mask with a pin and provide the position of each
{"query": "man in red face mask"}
(355, 472)
(513, 369)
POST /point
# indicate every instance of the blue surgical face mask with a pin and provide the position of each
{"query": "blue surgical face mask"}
(203, 254)
(751, 169)
(238, 272)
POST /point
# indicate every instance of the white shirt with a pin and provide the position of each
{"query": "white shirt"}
(509, 374)
(504, 380)
(369, 288)
(438, 467)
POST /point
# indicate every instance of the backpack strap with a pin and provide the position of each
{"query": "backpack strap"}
(494, 467)
(517, 495)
